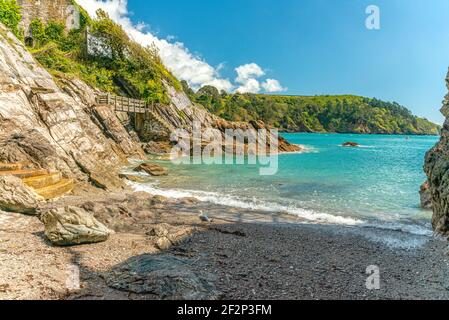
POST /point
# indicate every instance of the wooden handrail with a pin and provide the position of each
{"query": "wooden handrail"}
(125, 104)
(129, 105)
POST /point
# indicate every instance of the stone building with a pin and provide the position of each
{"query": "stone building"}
(48, 10)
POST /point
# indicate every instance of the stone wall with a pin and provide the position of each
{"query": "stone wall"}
(47, 10)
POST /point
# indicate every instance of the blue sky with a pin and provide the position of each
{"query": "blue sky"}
(315, 46)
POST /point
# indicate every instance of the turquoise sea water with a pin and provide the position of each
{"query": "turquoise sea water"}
(375, 185)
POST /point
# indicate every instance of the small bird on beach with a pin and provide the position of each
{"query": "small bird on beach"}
(204, 217)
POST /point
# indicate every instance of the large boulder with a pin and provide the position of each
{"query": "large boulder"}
(72, 226)
(152, 169)
(16, 197)
(164, 277)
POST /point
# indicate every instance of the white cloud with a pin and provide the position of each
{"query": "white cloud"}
(250, 86)
(273, 85)
(247, 77)
(176, 57)
(247, 72)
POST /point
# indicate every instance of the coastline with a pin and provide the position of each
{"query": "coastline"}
(275, 260)
(363, 133)
(82, 100)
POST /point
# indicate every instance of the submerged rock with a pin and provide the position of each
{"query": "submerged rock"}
(15, 196)
(152, 169)
(426, 196)
(351, 144)
(164, 276)
(72, 226)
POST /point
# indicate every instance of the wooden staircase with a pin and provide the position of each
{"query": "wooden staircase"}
(49, 185)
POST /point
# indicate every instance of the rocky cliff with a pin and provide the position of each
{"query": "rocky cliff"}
(437, 170)
(182, 113)
(57, 125)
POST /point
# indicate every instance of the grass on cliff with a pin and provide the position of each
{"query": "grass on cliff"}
(103, 55)
(341, 114)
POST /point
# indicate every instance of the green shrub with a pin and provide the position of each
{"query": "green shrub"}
(10, 16)
(113, 62)
(54, 31)
(37, 31)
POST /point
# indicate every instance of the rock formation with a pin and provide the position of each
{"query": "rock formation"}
(72, 226)
(164, 276)
(152, 169)
(351, 144)
(166, 235)
(15, 196)
(182, 113)
(57, 126)
(437, 170)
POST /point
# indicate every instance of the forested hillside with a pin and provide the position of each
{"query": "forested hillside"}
(342, 114)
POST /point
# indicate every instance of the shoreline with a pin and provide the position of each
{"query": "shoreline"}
(367, 134)
(241, 259)
(262, 210)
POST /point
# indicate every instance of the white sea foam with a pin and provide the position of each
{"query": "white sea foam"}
(401, 227)
(304, 149)
(250, 204)
(308, 216)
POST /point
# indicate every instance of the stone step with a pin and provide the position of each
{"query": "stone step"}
(43, 180)
(56, 190)
(23, 174)
(10, 166)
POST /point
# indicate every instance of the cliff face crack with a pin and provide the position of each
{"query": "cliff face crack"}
(41, 118)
